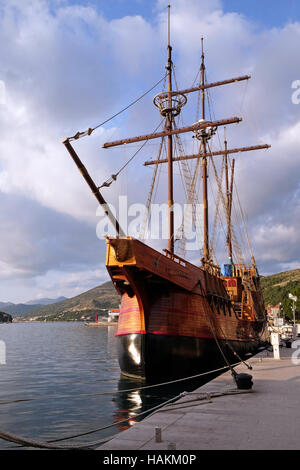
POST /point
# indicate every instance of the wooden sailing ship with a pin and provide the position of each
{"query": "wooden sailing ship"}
(178, 319)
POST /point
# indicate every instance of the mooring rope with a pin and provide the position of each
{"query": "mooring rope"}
(51, 444)
(207, 398)
(113, 392)
(213, 330)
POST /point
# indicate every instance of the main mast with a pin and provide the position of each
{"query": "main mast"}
(169, 126)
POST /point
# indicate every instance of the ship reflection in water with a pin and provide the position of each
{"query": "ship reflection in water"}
(132, 403)
(128, 405)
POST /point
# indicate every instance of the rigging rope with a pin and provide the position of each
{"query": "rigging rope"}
(89, 131)
(217, 214)
(198, 73)
(190, 181)
(234, 239)
(244, 221)
(144, 224)
(232, 349)
(218, 344)
(113, 177)
(219, 184)
(192, 199)
(157, 168)
(236, 191)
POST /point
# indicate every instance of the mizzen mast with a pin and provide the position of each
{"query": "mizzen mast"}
(228, 202)
(203, 136)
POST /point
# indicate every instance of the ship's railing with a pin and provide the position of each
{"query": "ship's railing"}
(211, 268)
(175, 258)
(239, 270)
(206, 265)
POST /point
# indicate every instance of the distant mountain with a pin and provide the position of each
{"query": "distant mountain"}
(44, 301)
(21, 309)
(5, 304)
(18, 309)
(82, 307)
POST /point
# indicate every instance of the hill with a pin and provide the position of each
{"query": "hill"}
(44, 301)
(82, 307)
(5, 304)
(277, 287)
(18, 309)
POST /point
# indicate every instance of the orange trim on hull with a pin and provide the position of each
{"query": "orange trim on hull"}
(131, 320)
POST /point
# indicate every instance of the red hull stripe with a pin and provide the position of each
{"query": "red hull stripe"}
(143, 332)
(128, 332)
(248, 340)
(126, 310)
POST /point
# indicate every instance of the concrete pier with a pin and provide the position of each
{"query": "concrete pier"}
(267, 417)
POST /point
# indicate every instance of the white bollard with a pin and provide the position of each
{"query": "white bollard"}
(275, 344)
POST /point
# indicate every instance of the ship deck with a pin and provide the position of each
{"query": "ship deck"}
(267, 417)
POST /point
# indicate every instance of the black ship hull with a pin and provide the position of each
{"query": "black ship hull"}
(157, 358)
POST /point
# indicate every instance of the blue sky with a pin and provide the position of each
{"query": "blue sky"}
(270, 13)
(68, 65)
